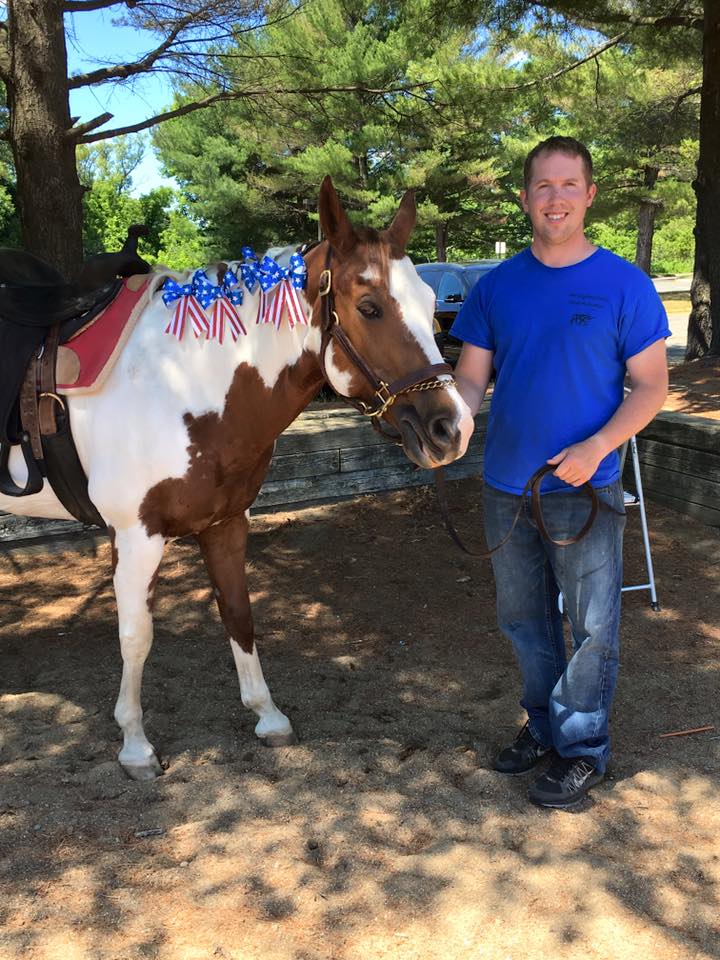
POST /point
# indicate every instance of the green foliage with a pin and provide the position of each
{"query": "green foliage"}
(106, 170)
(182, 245)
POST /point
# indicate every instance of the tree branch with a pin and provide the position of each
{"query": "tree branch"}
(76, 132)
(241, 95)
(577, 63)
(693, 21)
(80, 6)
(122, 71)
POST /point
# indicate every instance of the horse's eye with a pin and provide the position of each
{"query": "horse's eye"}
(369, 310)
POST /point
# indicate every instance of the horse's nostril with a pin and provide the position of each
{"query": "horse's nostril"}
(442, 430)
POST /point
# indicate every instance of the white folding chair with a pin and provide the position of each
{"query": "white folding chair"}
(638, 500)
(635, 500)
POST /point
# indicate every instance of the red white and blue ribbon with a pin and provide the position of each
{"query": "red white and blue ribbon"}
(194, 298)
(188, 305)
(224, 310)
(279, 295)
(286, 283)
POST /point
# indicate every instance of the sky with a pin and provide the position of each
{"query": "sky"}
(92, 42)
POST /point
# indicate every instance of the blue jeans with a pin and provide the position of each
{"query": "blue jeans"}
(567, 702)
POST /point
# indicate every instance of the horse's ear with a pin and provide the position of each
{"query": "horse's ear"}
(334, 221)
(398, 233)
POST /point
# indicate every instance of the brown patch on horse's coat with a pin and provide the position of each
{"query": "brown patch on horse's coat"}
(229, 452)
(113, 550)
(223, 549)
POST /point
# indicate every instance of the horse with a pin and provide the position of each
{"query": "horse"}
(178, 439)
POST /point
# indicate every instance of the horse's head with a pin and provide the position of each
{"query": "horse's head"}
(376, 317)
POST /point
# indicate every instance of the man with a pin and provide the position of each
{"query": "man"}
(561, 323)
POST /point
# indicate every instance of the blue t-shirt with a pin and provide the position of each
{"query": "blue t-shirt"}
(560, 337)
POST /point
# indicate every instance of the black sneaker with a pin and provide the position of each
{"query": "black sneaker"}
(522, 755)
(566, 782)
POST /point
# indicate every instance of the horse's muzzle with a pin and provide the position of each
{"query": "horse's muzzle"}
(430, 441)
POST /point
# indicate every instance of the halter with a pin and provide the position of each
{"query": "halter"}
(427, 378)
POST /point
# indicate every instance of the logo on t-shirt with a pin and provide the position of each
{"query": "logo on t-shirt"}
(585, 306)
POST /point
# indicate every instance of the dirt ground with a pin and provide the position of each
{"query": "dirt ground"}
(384, 833)
(695, 388)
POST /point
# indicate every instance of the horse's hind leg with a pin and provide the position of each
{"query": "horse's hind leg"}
(138, 559)
(223, 547)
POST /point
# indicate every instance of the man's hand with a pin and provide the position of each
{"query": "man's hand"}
(576, 464)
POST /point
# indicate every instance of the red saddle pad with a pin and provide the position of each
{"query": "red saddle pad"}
(85, 361)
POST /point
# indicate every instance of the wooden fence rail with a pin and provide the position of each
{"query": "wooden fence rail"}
(331, 453)
(680, 465)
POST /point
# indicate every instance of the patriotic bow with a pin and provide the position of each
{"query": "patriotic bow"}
(188, 296)
(292, 279)
(231, 296)
(270, 274)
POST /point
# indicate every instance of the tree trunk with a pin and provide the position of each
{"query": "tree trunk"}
(441, 233)
(48, 188)
(649, 207)
(704, 323)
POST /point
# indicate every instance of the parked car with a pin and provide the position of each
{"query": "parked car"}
(451, 282)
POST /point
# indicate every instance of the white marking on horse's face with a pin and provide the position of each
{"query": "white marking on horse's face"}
(340, 380)
(417, 303)
(371, 274)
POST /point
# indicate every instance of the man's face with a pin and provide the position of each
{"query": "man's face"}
(557, 197)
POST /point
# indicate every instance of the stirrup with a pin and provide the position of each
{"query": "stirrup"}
(34, 483)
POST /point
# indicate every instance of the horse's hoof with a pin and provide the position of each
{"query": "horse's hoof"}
(146, 771)
(279, 739)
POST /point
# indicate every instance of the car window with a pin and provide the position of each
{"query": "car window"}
(431, 277)
(450, 286)
(473, 276)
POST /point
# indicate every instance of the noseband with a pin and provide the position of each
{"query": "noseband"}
(385, 394)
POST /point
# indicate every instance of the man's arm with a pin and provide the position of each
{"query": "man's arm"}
(472, 373)
(649, 380)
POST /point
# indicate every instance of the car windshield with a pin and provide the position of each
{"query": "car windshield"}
(473, 275)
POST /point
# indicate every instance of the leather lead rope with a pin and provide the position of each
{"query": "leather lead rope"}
(532, 488)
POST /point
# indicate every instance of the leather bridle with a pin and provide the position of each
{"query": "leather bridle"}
(385, 394)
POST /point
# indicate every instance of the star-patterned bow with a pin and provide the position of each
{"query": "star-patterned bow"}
(231, 296)
(292, 279)
(188, 305)
(269, 274)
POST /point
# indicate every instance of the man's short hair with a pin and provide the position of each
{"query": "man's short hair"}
(567, 145)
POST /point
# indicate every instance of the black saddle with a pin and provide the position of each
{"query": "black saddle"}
(34, 299)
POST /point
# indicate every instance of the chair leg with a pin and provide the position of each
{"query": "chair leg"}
(643, 521)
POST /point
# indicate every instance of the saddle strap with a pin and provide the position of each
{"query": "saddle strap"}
(49, 400)
(29, 416)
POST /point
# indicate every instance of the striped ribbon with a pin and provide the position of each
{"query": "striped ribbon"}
(187, 306)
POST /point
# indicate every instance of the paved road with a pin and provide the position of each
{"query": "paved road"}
(678, 341)
(672, 284)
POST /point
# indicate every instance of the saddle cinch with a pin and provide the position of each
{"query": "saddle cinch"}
(39, 311)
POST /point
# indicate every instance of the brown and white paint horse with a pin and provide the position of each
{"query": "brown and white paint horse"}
(180, 436)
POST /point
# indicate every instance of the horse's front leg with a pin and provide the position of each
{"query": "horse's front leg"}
(223, 546)
(138, 559)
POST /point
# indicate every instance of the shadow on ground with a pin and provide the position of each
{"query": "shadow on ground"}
(384, 831)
